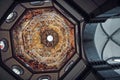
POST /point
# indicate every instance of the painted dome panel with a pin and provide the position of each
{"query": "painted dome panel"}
(44, 39)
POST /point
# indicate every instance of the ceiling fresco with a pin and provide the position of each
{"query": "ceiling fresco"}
(43, 39)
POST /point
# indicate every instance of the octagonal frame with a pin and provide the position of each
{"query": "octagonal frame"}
(75, 34)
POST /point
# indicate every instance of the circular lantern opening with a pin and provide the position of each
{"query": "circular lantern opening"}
(50, 38)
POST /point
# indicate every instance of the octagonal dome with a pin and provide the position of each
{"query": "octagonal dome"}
(43, 39)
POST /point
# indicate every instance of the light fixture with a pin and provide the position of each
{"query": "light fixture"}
(17, 70)
(11, 17)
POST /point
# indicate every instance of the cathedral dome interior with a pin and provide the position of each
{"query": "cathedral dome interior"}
(60, 40)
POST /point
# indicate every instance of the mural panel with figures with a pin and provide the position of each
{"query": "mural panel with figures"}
(44, 39)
